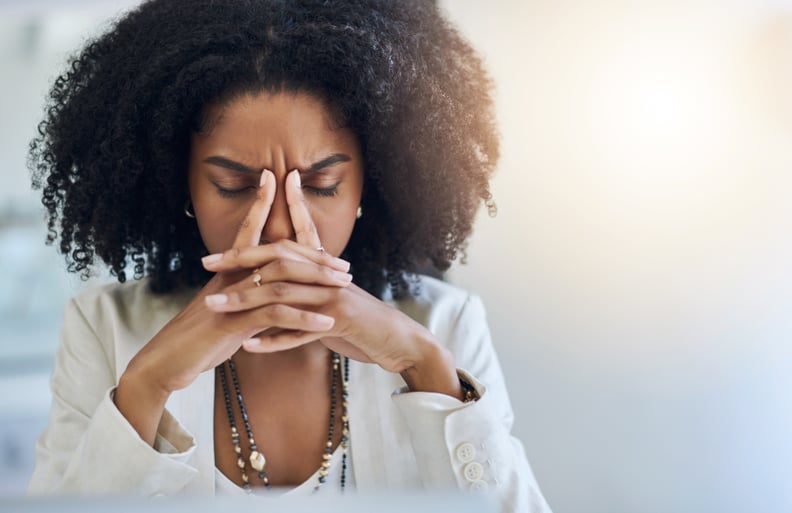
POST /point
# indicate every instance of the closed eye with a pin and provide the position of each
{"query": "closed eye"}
(318, 191)
(232, 193)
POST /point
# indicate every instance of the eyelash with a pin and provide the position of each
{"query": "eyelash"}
(324, 192)
(230, 193)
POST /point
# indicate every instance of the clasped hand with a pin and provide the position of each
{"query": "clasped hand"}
(302, 290)
(303, 295)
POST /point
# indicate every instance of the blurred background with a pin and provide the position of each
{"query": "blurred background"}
(637, 275)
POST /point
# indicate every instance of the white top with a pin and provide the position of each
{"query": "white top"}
(224, 486)
(402, 440)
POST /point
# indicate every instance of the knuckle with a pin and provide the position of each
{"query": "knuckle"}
(277, 312)
(307, 231)
(278, 250)
(280, 266)
(279, 289)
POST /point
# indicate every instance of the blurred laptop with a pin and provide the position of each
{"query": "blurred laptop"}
(351, 503)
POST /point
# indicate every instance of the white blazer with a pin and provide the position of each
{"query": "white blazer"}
(399, 439)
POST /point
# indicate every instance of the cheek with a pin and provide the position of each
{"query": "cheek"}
(219, 221)
(334, 220)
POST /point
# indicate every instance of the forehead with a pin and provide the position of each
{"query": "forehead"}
(255, 126)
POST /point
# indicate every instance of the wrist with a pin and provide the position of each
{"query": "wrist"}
(141, 404)
(433, 370)
(142, 390)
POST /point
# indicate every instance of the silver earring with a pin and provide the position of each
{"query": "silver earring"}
(359, 212)
(187, 212)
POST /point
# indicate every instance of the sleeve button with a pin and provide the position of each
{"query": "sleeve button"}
(473, 471)
(479, 486)
(465, 452)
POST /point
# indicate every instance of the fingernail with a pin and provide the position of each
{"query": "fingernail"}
(212, 259)
(297, 181)
(342, 277)
(251, 343)
(216, 299)
(342, 263)
(264, 177)
(323, 321)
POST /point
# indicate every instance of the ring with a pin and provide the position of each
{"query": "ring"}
(320, 249)
(256, 277)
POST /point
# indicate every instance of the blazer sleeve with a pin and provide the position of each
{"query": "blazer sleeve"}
(88, 447)
(469, 445)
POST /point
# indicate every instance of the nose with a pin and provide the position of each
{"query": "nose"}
(279, 224)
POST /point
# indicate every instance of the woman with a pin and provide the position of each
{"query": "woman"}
(276, 173)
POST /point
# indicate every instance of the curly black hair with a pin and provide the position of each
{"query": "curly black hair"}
(111, 153)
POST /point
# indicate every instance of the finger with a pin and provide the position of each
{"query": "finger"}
(288, 318)
(249, 233)
(293, 294)
(256, 256)
(304, 227)
(281, 341)
(302, 272)
(292, 271)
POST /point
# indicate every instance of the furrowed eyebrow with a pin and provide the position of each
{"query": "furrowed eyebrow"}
(232, 165)
(332, 160)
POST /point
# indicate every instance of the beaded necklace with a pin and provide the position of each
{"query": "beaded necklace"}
(256, 459)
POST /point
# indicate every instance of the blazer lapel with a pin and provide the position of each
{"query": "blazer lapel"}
(380, 447)
(194, 407)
